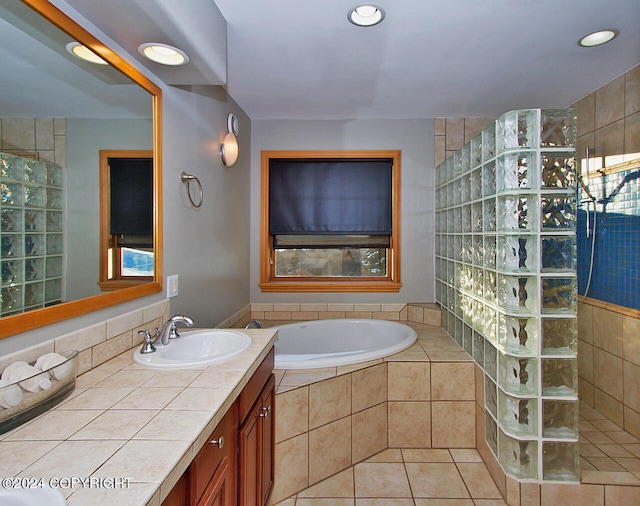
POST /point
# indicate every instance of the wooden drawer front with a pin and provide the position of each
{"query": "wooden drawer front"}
(204, 465)
(250, 393)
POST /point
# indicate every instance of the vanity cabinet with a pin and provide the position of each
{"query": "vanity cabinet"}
(255, 449)
(235, 466)
(256, 436)
(212, 477)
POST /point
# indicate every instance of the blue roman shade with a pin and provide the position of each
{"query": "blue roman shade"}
(330, 197)
(131, 188)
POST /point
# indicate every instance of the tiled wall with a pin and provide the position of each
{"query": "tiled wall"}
(609, 123)
(427, 313)
(609, 319)
(609, 362)
(453, 133)
(44, 136)
(100, 342)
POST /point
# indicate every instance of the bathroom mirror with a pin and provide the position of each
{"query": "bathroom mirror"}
(86, 105)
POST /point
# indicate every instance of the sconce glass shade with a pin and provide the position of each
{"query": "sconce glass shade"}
(229, 150)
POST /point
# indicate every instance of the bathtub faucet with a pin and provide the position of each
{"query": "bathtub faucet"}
(169, 331)
(253, 324)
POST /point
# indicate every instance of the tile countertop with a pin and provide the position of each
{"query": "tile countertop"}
(127, 433)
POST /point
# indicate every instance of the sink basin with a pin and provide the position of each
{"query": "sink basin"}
(195, 348)
(31, 496)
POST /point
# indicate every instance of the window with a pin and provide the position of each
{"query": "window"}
(126, 218)
(330, 221)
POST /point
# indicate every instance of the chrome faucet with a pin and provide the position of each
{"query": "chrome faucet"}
(253, 324)
(169, 330)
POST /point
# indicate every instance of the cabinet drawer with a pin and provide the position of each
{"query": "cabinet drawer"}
(250, 393)
(209, 457)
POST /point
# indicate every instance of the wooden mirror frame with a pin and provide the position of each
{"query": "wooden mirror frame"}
(15, 324)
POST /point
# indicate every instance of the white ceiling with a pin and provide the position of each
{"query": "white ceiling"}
(302, 59)
(428, 58)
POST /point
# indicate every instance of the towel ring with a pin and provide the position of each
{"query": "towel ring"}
(186, 179)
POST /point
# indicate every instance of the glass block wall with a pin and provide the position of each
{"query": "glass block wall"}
(506, 282)
(31, 205)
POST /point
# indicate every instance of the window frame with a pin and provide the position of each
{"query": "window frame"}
(270, 283)
(108, 241)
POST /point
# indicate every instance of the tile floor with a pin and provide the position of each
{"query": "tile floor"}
(407, 477)
(604, 446)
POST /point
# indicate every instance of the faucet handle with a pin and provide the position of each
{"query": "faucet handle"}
(148, 346)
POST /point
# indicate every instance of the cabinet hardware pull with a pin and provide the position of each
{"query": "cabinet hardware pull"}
(218, 442)
(265, 411)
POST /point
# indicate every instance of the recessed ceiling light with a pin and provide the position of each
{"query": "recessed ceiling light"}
(366, 15)
(84, 53)
(163, 54)
(598, 38)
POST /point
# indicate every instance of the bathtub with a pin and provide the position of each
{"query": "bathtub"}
(329, 343)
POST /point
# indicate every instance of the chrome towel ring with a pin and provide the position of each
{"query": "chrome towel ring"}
(187, 179)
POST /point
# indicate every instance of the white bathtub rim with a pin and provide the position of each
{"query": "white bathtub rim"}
(342, 358)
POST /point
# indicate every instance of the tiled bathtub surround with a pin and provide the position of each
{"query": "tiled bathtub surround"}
(285, 312)
(330, 419)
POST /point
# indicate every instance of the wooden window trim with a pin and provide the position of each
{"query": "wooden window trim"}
(268, 282)
(104, 282)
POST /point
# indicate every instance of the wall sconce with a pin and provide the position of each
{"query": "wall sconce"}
(229, 147)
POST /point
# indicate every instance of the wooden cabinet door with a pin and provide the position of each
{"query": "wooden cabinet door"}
(179, 495)
(255, 445)
(221, 487)
(220, 450)
(248, 458)
(268, 439)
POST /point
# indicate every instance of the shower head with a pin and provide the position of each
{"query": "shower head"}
(585, 187)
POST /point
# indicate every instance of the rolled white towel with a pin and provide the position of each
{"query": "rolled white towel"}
(10, 394)
(51, 362)
(31, 379)
(8, 371)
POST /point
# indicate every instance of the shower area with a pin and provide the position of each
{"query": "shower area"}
(537, 274)
(31, 206)
(32, 212)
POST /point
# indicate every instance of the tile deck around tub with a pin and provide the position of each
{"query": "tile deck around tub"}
(433, 345)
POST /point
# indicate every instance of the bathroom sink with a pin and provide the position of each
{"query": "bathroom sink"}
(195, 348)
(31, 496)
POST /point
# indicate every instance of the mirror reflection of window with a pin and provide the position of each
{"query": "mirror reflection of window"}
(126, 222)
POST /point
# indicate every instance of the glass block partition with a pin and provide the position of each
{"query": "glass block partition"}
(31, 205)
(506, 282)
